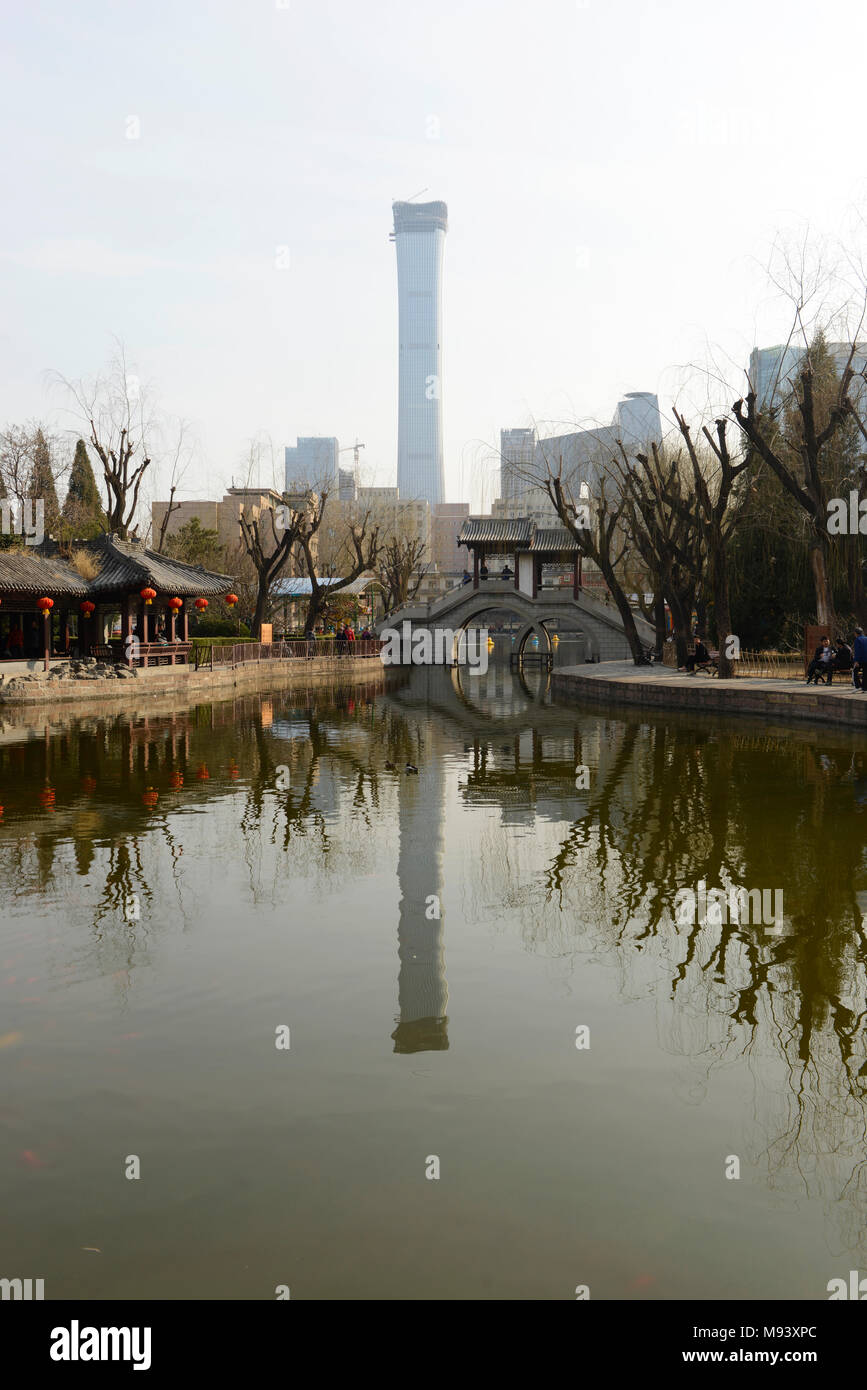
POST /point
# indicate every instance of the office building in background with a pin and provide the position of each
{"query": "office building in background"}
(773, 371)
(517, 448)
(313, 463)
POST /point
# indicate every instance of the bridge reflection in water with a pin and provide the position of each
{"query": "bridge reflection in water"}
(555, 897)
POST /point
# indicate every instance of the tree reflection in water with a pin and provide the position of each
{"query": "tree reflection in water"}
(670, 803)
(669, 806)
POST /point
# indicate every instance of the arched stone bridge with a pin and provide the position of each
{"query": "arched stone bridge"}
(464, 605)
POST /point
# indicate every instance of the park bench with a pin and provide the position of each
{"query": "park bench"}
(711, 666)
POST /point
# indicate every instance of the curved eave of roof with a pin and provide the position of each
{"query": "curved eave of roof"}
(125, 565)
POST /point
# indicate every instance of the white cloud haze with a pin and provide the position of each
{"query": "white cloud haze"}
(615, 174)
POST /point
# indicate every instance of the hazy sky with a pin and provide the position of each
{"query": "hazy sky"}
(615, 174)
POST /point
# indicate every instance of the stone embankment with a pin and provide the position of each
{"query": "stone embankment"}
(660, 687)
(91, 680)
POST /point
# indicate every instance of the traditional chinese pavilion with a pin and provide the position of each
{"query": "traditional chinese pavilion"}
(90, 597)
(527, 545)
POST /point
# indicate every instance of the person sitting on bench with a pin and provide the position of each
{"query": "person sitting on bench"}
(822, 665)
(700, 657)
(843, 658)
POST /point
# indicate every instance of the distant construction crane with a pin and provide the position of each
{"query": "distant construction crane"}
(355, 449)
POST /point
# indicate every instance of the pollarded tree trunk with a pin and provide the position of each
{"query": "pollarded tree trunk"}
(659, 622)
(825, 615)
(722, 608)
(855, 576)
(680, 622)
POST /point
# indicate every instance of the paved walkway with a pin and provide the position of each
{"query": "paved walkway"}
(661, 685)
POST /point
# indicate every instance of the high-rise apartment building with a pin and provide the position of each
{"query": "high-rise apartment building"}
(419, 236)
(517, 448)
(313, 463)
(446, 522)
(772, 371)
(637, 421)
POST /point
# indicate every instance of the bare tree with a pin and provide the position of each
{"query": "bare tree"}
(115, 408)
(659, 519)
(360, 553)
(716, 514)
(178, 461)
(268, 540)
(401, 570)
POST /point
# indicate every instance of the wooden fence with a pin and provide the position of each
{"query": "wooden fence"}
(212, 656)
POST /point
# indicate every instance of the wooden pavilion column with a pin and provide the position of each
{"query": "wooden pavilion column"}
(475, 567)
(186, 632)
(536, 567)
(126, 630)
(516, 568)
(576, 574)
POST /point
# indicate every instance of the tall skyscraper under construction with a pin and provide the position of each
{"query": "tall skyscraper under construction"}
(419, 236)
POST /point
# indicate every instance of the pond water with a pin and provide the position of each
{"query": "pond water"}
(181, 893)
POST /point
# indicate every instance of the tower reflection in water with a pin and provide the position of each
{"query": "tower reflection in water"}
(422, 989)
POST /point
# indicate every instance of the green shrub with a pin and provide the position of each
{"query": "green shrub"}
(219, 627)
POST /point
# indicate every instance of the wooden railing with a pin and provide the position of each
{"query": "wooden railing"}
(146, 653)
(214, 655)
(775, 665)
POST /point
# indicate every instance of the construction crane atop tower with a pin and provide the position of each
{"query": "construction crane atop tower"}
(355, 451)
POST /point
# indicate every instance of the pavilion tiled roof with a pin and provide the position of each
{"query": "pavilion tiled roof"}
(124, 566)
(485, 530)
(130, 565)
(522, 533)
(552, 539)
(28, 571)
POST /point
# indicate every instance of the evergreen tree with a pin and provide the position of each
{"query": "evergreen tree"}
(83, 516)
(42, 486)
(195, 544)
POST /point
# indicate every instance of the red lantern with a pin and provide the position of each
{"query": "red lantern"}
(45, 604)
(150, 797)
(176, 604)
(201, 604)
(148, 595)
(231, 600)
(87, 608)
